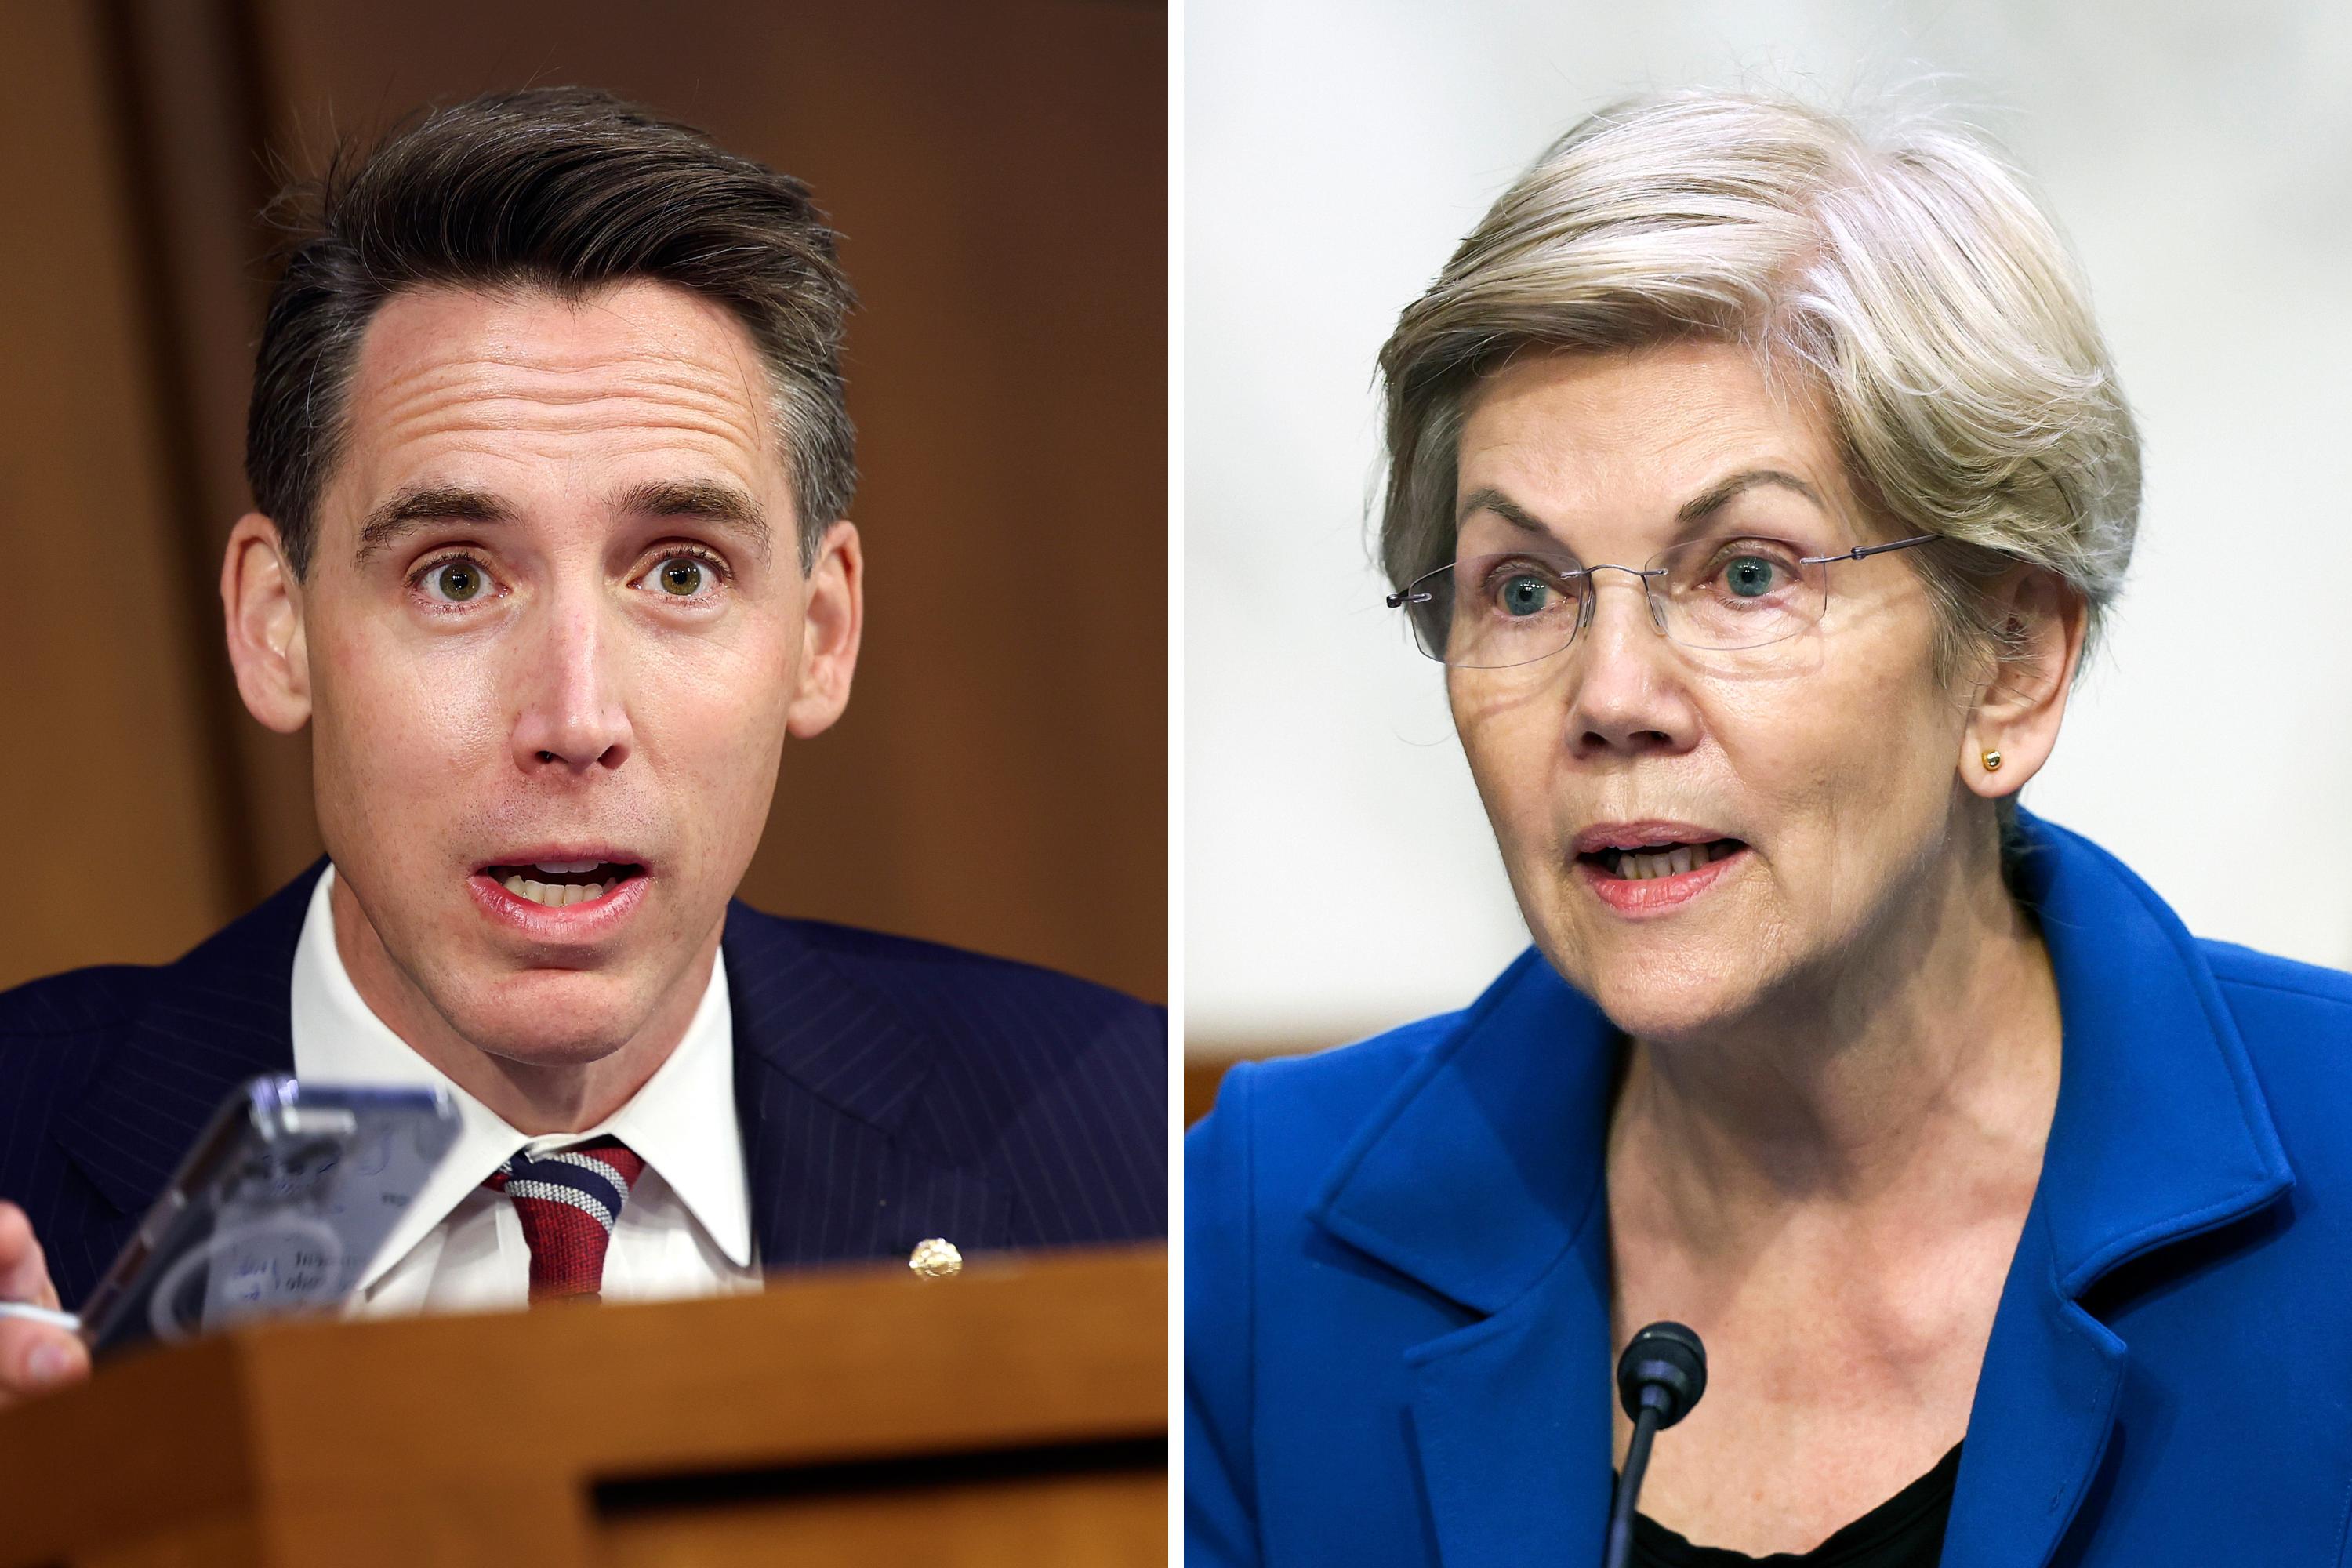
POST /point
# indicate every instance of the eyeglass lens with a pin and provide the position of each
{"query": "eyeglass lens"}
(1489, 612)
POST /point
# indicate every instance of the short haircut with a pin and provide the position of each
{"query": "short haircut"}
(1907, 279)
(565, 189)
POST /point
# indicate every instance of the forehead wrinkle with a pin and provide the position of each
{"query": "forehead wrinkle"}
(508, 400)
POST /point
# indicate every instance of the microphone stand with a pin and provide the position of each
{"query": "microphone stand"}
(1659, 1378)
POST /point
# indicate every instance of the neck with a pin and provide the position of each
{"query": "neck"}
(532, 1097)
(1926, 1065)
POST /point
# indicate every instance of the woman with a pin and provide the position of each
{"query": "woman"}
(1760, 486)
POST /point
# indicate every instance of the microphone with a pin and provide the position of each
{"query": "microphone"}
(1659, 1380)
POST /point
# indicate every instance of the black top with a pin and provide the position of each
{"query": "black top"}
(1906, 1530)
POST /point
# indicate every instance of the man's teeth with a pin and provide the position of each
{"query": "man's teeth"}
(565, 867)
(1639, 865)
(560, 895)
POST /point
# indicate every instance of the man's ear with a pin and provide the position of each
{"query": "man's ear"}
(2019, 708)
(263, 605)
(834, 621)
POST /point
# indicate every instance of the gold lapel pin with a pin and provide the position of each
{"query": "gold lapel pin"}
(935, 1259)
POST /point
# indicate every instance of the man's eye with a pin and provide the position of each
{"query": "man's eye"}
(684, 576)
(454, 582)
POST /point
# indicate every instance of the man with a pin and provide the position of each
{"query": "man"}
(551, 461)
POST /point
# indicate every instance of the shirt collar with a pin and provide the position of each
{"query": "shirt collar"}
(681, 1121)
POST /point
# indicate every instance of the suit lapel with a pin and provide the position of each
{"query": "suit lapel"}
(829, 1084)
(219, 1016)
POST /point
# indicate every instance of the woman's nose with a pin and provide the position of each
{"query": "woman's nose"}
(571, 714)
(1624, 693)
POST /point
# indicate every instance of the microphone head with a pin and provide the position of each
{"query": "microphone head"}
(1664, 1369)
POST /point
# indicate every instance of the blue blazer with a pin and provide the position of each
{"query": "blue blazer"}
(888, 1090)
(1396, 1272)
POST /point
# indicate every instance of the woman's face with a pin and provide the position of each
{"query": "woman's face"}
(1820, 770)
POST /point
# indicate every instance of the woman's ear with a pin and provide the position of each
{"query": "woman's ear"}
(262, 603)
(2013, 723)
(832, 622)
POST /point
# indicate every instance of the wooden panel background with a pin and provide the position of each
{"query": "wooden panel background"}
(999, 174)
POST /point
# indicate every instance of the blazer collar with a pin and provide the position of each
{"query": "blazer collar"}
(2161, 1130)
(1485, 1160)
(1475, 1171)
(2160, 1133)
(1481, 1177)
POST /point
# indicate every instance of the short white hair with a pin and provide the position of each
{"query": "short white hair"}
(1909, 277)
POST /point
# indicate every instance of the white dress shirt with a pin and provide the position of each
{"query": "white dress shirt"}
(685, 1229)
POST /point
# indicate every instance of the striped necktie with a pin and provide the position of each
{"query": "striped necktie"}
(567, 1202)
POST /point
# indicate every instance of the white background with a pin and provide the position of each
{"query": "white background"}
(1338, 873)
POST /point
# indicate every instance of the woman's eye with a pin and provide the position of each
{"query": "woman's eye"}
(454, 582)
(1525, 595)
(1751, 577)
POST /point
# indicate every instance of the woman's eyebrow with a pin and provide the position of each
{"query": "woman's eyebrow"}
(1488, 498)
(1716, 496)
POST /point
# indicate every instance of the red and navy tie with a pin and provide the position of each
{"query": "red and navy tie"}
(567, 1202)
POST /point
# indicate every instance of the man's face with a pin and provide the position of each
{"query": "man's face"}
(554, 634)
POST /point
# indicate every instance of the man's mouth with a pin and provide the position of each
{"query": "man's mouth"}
(558, 884)
(1642, 864)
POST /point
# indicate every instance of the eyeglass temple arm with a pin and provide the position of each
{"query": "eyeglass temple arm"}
(1859, 550)
(1397, 601)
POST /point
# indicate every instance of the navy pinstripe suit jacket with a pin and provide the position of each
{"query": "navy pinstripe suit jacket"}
(888, 1090)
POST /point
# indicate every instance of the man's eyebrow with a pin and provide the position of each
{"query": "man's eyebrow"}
(418, 506)
(720, 505)
(1718, 496)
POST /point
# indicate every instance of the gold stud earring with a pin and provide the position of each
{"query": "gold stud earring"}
(1993, 762)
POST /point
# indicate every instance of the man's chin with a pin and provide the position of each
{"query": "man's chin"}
(554, 1018)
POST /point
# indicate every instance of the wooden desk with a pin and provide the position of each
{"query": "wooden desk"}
(1014, 1414)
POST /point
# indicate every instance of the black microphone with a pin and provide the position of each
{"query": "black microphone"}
(1659, 1380)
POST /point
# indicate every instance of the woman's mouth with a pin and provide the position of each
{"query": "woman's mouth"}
(1641, 880)
(1663, 860)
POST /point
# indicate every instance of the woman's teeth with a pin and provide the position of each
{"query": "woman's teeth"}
(561, 895)
(1639, 865)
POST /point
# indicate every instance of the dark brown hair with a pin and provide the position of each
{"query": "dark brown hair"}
(568, 189)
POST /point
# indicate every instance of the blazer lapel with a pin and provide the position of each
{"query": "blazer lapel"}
(1511, 1419)
(829, 1083)
(2046, 1406)
(216, 1017)
(1482, 1179)
(2160, 1133)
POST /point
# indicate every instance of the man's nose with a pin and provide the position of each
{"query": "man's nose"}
(569, 713)
(1624, 693)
